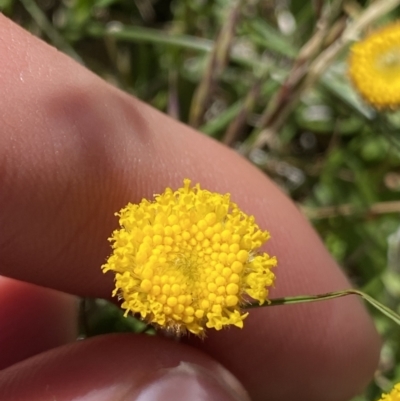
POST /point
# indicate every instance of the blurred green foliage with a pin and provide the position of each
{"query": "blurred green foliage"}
(335, 156)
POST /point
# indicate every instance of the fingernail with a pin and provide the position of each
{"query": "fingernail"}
(189, 382)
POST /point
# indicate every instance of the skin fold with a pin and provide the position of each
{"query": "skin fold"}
(73, 151)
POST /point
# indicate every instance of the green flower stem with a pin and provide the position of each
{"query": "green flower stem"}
(330, 295)
(149, 35)
(140, 34)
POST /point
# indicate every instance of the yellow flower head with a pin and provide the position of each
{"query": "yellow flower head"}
(374, 67)
(187, 260)
(394, 395)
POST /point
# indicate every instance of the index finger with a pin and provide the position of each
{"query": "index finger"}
(74, 150)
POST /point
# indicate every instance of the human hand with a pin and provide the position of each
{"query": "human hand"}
(73, 150)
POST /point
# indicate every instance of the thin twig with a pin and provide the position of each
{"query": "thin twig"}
(236, 126)
(349, 210)
(300, 67)
(284, 103)
(216, 64)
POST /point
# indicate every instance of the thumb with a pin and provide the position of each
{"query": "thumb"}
(121, 368)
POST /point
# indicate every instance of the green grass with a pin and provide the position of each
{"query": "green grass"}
(333, 155)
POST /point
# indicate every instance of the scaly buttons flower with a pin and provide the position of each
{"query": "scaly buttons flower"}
(188, 260)
(374, 67)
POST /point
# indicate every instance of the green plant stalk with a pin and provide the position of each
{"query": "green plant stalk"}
(140, 34)
(220, 122)
(329, 295)
(149, 35)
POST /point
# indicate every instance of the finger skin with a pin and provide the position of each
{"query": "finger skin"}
(80, 150)
(114, 367)
(33, 320)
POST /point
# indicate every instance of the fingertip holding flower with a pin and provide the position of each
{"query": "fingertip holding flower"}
(188, 260)
(374, 67)
(394, 395)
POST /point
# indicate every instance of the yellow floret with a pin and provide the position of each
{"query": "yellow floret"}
(394, 395)
(374, 67)
(187, 260)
